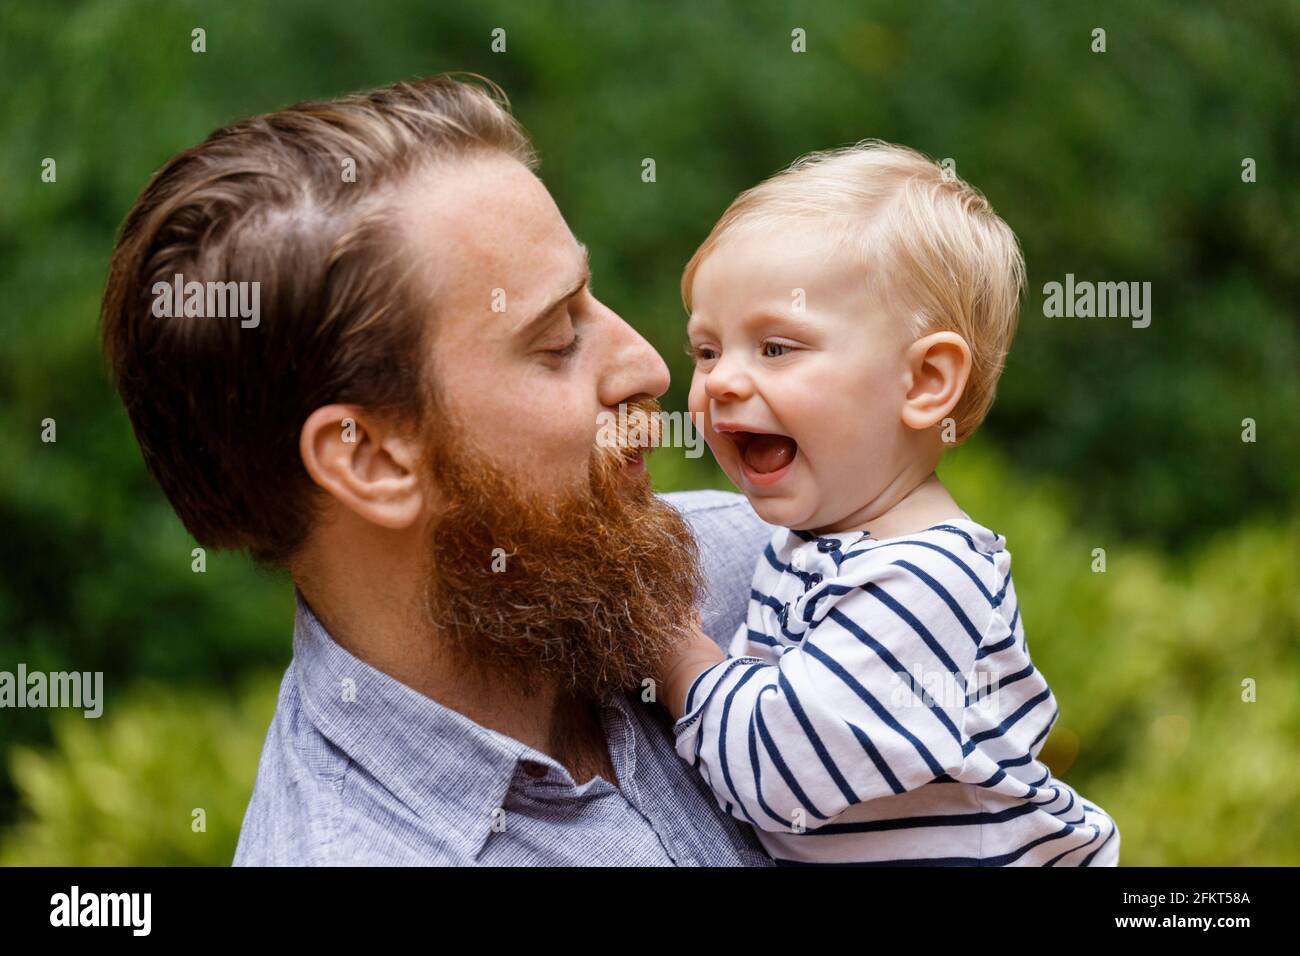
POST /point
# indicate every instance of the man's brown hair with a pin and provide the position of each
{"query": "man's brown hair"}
(217, 407)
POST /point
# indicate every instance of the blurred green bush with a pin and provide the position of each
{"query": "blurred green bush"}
(126, 789)
(1149, 662)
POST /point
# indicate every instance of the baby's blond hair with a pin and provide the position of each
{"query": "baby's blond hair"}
(951, 263)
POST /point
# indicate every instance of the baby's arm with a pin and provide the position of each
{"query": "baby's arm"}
(680, 669)
(838, 720)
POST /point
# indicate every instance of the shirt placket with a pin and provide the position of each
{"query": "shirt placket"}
(621, 733)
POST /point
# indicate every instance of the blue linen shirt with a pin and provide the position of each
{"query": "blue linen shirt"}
(359, 769)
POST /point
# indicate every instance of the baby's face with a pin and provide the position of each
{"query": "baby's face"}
(801, 407)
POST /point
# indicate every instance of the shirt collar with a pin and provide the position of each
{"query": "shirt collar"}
(794, 547)
(788, 542)
(446, 768)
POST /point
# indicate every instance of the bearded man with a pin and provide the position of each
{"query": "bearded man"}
(483, 591)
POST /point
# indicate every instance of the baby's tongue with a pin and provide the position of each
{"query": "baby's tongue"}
(768, 453)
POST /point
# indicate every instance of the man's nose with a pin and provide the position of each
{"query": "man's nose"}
(633, 368)
(728, 381)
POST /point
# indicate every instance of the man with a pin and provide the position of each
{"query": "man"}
(407, 424)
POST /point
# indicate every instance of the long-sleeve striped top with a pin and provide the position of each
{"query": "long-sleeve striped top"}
(880, 706)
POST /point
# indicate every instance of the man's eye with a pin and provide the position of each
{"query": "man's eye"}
(775, 349)
(566, 350)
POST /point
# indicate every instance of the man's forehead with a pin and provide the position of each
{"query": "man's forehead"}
(489, 224)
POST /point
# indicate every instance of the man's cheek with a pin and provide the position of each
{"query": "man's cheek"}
(535, 457)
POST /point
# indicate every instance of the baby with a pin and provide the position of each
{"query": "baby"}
(850, 317)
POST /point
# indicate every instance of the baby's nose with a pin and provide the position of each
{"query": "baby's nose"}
(727, 381)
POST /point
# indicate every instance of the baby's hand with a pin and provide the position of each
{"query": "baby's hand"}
(678, 670)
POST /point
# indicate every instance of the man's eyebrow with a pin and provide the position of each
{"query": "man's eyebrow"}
(573, 289)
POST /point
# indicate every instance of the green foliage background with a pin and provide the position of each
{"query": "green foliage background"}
(1122, 166)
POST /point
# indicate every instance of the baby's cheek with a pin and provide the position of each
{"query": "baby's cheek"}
(838, 437)
(712, 440)
(697, 401)
(817, 413)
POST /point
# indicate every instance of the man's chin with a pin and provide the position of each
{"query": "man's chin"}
(635, 468)
(583, 590)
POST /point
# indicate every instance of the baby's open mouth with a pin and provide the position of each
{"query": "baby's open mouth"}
(764, 454)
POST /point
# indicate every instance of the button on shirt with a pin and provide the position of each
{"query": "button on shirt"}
(359, 769)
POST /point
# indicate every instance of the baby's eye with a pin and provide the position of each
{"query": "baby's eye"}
(701, 353)
(775, 349)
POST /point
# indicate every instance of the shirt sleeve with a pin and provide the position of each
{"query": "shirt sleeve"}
(730, 537)
(868, 704)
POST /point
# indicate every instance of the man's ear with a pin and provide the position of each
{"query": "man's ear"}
(366, 462)
(939, 366)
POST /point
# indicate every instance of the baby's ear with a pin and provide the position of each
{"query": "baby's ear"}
(939, 367)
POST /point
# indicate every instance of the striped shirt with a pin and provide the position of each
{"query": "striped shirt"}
(880, 706)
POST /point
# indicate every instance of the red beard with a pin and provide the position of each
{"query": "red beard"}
(583, 591)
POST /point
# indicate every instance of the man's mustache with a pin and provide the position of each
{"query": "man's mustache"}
(635, 429)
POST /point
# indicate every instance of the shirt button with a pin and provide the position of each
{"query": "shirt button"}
(827, 545)
(534, 769)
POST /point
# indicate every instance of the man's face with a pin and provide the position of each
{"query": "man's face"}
(524, 353)
(550, 562)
